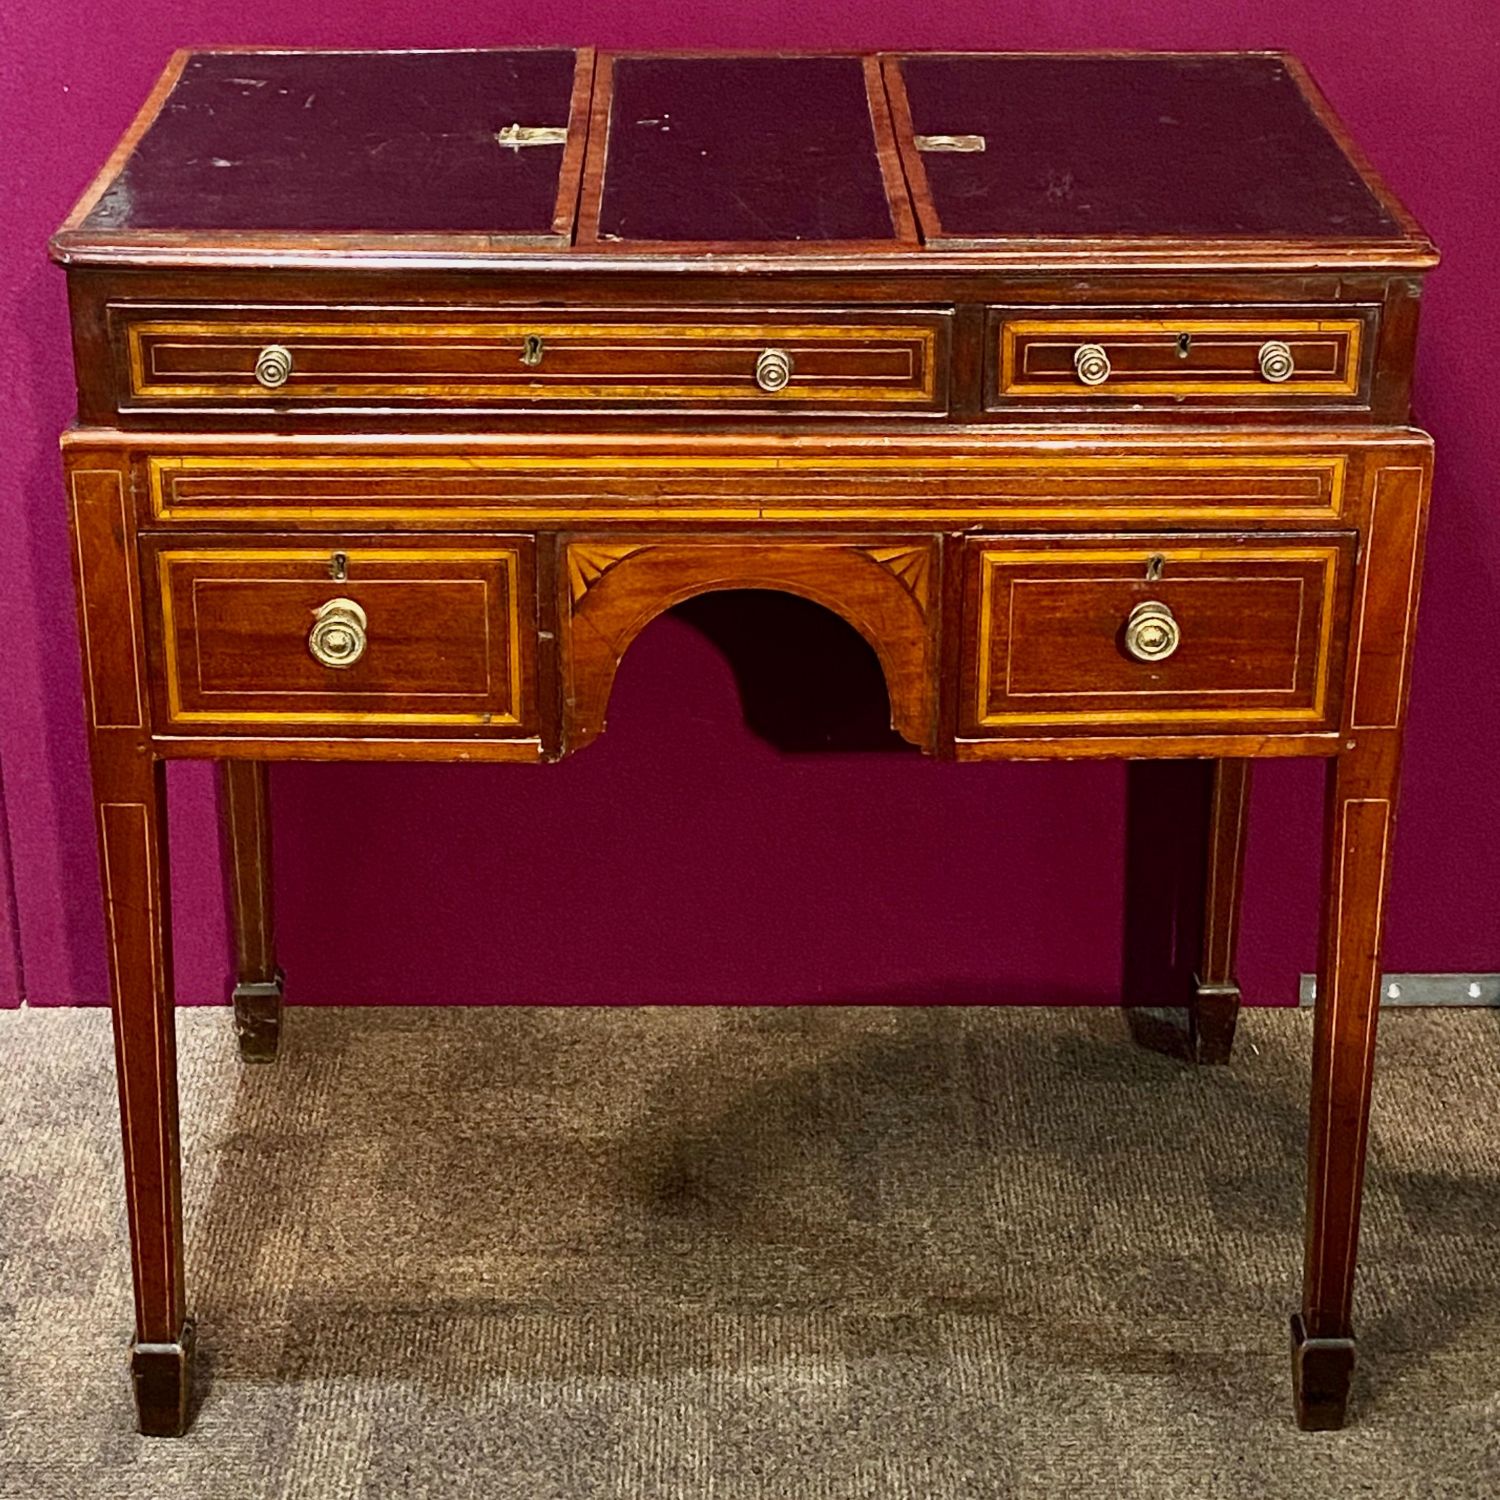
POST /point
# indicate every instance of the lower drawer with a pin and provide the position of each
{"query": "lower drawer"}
(347, 636)
(1169, 634)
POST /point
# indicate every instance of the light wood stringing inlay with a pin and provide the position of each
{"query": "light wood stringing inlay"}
(990, 557)
(1347, 334)
(798, 487)
(508, 558)
(657, 344)
(98, 494)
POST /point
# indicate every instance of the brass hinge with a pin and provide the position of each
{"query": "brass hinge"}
(949, 142)
(516, 136)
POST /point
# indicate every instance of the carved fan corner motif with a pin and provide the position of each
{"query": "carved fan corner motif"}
(912, 565)
(588, 562)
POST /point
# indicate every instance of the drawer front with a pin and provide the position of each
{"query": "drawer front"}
(518, 482)
(343, 638)
(1066, 356)
(297, 358)
(1166, 634)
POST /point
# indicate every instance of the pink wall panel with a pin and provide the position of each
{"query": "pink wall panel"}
(683, 859)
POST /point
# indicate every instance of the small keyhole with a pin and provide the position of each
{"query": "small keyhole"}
(531, 349)
(1155, 566)
(1184, 344)
(338, 567)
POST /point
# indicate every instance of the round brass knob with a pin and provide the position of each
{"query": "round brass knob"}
(1091, 364)
(1151, 632)
(273, 365)
(337, 638)
(773, 370)
(1276, 362)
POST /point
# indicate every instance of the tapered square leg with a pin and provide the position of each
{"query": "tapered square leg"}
(1361, 825)
(130, 808)
(133, 862)
(244, 796)
(1185, 857)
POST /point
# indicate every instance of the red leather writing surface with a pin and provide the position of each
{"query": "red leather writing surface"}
(742, 149)
(1155, 145)
(403, 142)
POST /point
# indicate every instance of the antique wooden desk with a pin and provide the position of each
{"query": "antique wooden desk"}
(412, 386)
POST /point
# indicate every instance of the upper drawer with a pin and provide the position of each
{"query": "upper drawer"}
(1062, 356)
(708, 360)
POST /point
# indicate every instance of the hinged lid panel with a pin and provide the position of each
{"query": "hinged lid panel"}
(1186, 146)
(720, 151)
(327, 143)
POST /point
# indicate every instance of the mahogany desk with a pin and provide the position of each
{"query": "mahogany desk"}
(412, 386)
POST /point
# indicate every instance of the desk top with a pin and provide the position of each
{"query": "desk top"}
(248, 155)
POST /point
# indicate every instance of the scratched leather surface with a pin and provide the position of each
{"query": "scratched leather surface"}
(742, 148)
(1184, 145)
(328, 141)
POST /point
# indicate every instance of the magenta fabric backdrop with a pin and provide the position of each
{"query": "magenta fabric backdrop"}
(682, 859)
(10, 929)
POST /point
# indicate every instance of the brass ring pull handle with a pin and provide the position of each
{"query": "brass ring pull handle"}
(1276, 362)
(1091, 364)
(1151, 632)
(338, 638)
(773, 370)
(273, 365)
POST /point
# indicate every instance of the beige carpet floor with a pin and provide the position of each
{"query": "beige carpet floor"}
(799, 1254)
